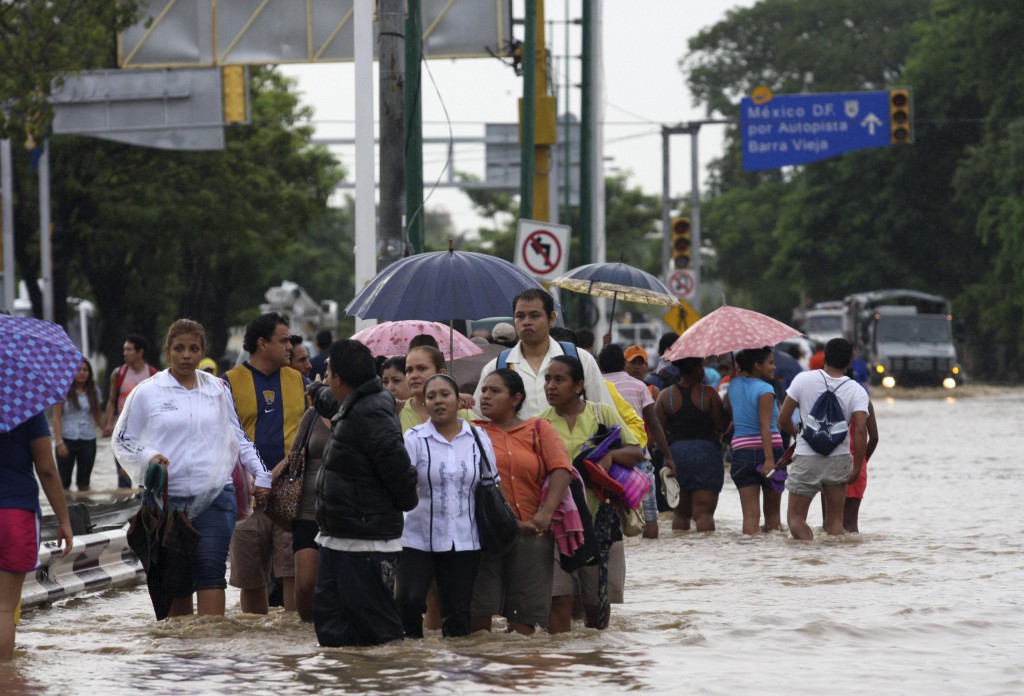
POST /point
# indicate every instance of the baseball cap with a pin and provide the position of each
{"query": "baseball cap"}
(503, 332)
(209, 365)
(634, 352)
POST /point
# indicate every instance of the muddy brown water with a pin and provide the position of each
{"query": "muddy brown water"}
(928, 599)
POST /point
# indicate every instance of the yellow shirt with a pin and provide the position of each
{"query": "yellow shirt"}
(629, 415)
(586, 425)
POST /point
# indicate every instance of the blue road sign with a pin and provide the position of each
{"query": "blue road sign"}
(799, 128)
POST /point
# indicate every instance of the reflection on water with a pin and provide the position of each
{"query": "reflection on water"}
(927, 599)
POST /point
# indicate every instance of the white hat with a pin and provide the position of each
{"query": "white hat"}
(504, 332)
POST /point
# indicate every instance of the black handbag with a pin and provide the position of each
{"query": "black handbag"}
(495, 521)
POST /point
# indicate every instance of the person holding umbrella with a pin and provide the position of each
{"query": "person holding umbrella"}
(23, 448)
(46, 371)
(184, 420)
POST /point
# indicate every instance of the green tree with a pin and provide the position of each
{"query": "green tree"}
(819, 230)
(158, 234)
(45, 40)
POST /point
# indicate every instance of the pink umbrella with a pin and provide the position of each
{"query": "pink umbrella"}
(727, 329)
(391, 338)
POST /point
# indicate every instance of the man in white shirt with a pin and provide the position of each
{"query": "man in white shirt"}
(810, 472)
(534, 313)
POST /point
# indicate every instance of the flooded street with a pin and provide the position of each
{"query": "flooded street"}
(928, 598)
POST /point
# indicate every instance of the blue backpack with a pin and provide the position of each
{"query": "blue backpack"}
(825, 425)
(567, 348)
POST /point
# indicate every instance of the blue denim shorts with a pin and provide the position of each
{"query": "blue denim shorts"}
(744, 466)
(699, 465)
(215, 526)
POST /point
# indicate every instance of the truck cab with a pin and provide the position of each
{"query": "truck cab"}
(905, 336)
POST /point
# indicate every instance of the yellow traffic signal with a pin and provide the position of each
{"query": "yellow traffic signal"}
(901, 119)
(236, 91)
(681, 243)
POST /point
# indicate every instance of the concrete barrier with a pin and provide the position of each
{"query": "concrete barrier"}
(96, 561)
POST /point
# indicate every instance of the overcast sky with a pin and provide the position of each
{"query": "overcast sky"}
(644, 88)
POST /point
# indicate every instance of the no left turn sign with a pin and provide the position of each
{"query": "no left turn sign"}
(542, 252)
(542, 248)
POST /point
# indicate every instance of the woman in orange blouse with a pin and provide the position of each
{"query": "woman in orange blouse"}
(518, 584)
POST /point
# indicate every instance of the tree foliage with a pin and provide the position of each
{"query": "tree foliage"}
(45, 40)
(942, 215)
(152, 235)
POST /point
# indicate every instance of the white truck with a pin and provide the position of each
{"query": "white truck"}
(905, 337)
(824, 321)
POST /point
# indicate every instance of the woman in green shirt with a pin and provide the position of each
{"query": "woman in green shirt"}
(422, 363)
(575, 420)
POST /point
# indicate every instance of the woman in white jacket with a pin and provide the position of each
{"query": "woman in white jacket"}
(184, 419)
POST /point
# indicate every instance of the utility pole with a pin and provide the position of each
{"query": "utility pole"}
(414, 127)
(692, 129)
(545, 133)
(528, 111)
(586, 137)
(7, 204)
(391, 233)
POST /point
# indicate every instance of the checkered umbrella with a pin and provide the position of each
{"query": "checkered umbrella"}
(38, 362)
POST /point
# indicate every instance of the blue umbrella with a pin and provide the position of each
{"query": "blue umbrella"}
(38, 362)
(442, 286)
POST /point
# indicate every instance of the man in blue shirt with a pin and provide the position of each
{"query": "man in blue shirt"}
(270, 399)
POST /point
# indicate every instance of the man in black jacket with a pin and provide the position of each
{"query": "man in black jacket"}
(365, 485)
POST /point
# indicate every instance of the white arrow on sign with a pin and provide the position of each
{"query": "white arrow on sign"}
(871, 122)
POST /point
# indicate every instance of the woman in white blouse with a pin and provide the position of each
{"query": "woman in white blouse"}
(440, 539)
(184, 419)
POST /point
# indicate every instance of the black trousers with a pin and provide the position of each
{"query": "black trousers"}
(82, 451)
(354, 600)
(455, 572)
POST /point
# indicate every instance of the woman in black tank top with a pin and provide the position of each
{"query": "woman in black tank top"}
(693, 418)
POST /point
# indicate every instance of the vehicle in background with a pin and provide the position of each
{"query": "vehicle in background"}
(644, 334)
(305, 316)
(905, 337)
(801, 349)
(824, 321)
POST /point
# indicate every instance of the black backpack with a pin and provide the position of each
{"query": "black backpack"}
(825, 426)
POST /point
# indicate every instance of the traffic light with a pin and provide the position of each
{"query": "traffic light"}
(234, 80)
(681, 242)
(901, 118)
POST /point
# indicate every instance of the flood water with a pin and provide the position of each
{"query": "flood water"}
(928, 599)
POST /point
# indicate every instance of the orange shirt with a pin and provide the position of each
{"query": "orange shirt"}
(817, 361)
(526, 455)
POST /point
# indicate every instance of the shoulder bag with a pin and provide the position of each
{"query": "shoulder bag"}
(289, 478)
(495, 521)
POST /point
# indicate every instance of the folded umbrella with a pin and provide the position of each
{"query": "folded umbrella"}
(165, 541)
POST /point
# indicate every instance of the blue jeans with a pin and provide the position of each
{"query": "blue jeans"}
(744, 466)
(215, 525)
